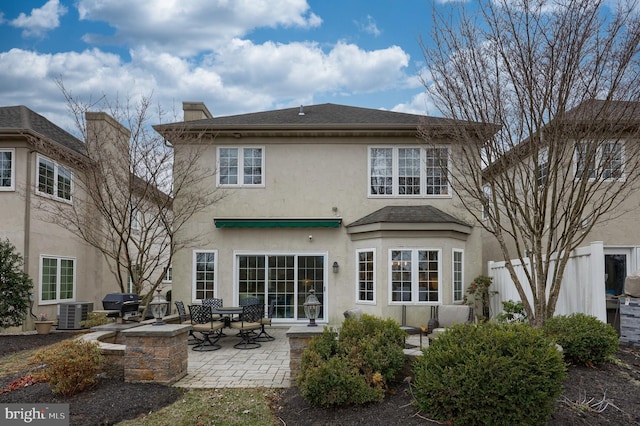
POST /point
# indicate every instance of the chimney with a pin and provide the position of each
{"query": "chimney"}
(195, 111)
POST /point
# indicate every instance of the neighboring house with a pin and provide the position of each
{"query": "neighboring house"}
(347, 201)
(611, 249)
(38, 166)
(41, 167)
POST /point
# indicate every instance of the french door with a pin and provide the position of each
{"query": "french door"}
(284, 279)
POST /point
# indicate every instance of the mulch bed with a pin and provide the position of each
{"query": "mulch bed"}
(616, 386)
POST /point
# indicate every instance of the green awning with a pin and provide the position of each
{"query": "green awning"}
(279, 223)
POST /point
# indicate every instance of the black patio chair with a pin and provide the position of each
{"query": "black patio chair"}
(249, 322)
(213, 302)
(182, 314)
(202, 322)
(263, 336)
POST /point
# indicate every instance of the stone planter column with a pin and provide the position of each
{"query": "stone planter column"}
(155, 353)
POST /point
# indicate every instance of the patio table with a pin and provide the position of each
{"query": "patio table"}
(227, 313)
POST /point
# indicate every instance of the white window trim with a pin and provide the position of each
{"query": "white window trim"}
(395, 173)
(414, 276)
(12, 187)
(56, 167)
(215, 274)
(598, 166)
(75, 281)
(240, 183)
(170, 274)
(357, 277)
(453, 270)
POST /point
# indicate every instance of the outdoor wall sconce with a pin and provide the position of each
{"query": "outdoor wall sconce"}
(312, 308)
(158, 307)
(336, 267)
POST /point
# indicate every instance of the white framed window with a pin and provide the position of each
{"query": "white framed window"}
(366, 276)
(543, 166)
(606, 162)
(168, 277)
(205, 267)
(57, 279)
(241, 166)
(54, 180)
(457, 275)
(414, 276)
(7, 169)
(408, 171)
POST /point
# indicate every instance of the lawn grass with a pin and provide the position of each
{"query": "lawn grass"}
(218, 407)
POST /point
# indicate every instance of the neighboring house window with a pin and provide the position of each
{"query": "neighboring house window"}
(240, 166)
(54, 180)
(57, 278)
(611, 160)
(204, 274)
(168, 277)
(458, 275)
(608, 162)
(136, 274)
(366, 276)
(415, 276)
(400, 171)
(486, 206)
(7, 170)
(543, 166)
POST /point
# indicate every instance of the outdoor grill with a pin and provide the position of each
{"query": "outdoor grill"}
(123, 305)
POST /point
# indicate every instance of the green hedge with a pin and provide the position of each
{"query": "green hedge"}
(489, 374)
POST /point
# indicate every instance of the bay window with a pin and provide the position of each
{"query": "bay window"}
(7, 169)
(414, 275)
(54, 180)
(366, 276)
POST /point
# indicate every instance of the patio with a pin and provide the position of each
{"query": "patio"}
(266, 366)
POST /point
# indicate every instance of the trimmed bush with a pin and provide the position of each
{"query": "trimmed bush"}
(584, 338)
(354, 367)
(489, 374)
(70, 366)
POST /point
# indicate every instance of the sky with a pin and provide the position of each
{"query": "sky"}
(236, 56)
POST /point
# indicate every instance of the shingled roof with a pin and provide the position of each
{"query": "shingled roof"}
(408, 214)
(20, 119)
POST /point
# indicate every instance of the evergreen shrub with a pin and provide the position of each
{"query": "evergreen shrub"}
(584, 338)
(489, 374)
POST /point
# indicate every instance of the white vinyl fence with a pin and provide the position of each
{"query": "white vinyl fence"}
(582, 290)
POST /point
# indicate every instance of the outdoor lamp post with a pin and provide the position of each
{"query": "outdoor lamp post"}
(158, 307)
(312, 308)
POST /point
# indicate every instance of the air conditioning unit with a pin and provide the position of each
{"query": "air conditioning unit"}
(71, 313)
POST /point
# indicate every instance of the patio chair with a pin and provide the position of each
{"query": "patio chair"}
(182, 314)
(249, 301)
(213, 302)
(249, 322)
(263, 336)
(202, 322)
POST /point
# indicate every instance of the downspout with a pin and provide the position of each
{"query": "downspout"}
(27, 227)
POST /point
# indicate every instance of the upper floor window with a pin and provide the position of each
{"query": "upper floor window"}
(57, 279)
(543, 166)
(605, 161)
(415, 275)
(54, 180)
(240, 166)
(408, 171)
(7, 170)
(366, 276)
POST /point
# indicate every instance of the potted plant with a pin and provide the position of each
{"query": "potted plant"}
(43, 325)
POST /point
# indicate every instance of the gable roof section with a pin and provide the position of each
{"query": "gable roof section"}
(19, 119)
(409, 218)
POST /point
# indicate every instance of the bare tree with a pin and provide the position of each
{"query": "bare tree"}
(125, 190)
(550, 161)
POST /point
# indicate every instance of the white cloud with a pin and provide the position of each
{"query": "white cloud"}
(369, 26)
(421, 104)
(41, 20)
(186, 28)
